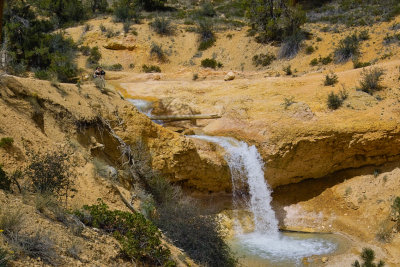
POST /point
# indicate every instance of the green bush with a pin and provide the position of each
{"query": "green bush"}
(63, 12)
(314, 62)
(348, 48)
(94, 57)
(396, 211)
(50, 174)
(211, 63)
(4, 257)
(274, 20)
(358, 64)
(44, 50)
(43, 75)
(310, 49)
(263, 59)
(326, 60)
(5, 181)
(335, 101)
(157, 51)
(98, 5)
(126, 10)
(6, 142)
(368, 257)
(371, 79)
(207, 10)
(140, 239)
(288, 70)
(180, 218)
(321, 60)
(364, 35)
(162, 26)
(151, 68)
(291, 45)
(330, 79)
(114, 67)
(206, 35)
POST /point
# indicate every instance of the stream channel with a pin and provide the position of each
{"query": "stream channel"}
(266, 245)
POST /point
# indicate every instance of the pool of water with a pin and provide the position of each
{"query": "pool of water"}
(286, 249)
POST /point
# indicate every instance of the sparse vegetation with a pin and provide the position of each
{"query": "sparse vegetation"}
(358, 64)
(140, 239)
(178, 215)
(331, 79)
(321, 60)
(263, 59)
(151, 68)
(310, 49)
(195, 76)
(390, 39)
(396, 211)
(94, 57)
(368, 257)
(50, 174)
(162, 26)
(38, 245)
(157, 51)
(44, 50)
(335, 101)
(356, 13)
(288, 101)
(211, 63)
(364, 35)
(371, 80)
(314, 62)
(4, 257)
(126, 10)
(114, 67)
(288, 70)
(348, 48)
(6, 142)
(5, 181)
(206, 35)
(207, 10)
(277, 21)
(11, 221)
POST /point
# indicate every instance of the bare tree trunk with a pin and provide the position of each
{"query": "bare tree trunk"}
(1, 16)
(185, 117)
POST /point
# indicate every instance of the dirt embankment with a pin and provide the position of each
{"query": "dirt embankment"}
(43, 117)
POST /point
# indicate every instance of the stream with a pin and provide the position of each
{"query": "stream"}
(266, 245)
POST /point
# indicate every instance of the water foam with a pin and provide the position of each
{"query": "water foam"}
(247, 170)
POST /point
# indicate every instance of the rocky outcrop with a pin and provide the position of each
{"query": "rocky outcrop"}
(194, 164)
(120, 45)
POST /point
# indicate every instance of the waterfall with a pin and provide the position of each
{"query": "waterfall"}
(247, 169)
(248, 182)
(146, 107)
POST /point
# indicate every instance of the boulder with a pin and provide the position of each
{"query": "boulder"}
(229, 76)
(119, 45)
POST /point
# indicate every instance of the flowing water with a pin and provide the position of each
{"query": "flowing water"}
(145, 107)
(249, 188)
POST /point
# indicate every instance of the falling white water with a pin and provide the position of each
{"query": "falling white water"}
(245, 162)
(146, 107)
(266, 242)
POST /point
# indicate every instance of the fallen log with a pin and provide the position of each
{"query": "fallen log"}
(185, 117)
